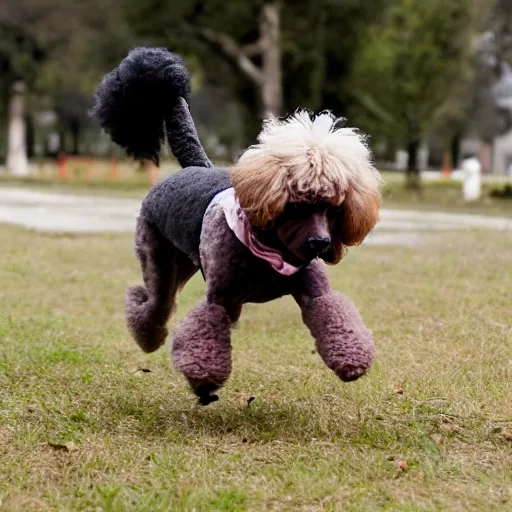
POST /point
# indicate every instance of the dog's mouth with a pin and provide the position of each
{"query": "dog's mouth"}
(328, 255)
(307, 255)
(294, 258)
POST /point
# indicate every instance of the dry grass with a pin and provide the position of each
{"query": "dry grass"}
(82, 429)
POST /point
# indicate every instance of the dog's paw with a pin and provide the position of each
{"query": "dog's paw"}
(205, 392)
(349, 373)
(208, 399)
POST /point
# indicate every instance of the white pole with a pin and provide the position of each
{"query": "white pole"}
(472, 186)
(17, 162)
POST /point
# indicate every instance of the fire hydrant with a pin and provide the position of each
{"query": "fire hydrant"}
(472, 184)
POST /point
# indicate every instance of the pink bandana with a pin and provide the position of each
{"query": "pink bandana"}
(239, 223)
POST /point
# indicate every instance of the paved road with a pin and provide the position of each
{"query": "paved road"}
(66, 213)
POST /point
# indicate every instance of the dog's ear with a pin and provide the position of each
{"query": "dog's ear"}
(359, 214)
(260, 185)
(353, 219)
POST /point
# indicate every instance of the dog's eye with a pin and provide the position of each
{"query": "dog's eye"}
(293, 208)
(297, 210)
(334, 212)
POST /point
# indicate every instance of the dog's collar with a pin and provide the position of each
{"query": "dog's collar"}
(238, 222)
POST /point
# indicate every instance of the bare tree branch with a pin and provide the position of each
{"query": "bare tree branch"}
(232, 49)
(253, 49)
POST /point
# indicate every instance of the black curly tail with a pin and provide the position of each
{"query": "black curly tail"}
(143, 100)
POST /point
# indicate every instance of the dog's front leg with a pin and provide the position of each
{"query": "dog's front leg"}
(342, 340)
(201, 349)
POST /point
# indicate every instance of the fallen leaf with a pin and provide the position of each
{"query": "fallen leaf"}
(402, 466)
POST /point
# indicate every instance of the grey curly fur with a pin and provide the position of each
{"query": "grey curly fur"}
(165, 271)
(180, 231)
(176, 205)
(143, 99)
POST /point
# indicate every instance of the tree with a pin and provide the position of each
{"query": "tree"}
(488, 117)
(267, 76)
(19, 57)
(248, 34)
(29, 33)
(271, 57)
(17, 161)
(321, 40)
(56, 51)
(72, 71)
(412, 73)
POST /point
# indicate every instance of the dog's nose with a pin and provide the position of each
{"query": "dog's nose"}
(318, 245)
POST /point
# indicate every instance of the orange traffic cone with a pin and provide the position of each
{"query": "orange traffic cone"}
(63, 171)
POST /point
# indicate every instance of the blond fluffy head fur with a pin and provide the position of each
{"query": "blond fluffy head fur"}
(305, 159)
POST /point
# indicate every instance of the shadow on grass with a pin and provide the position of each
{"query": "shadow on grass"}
(324, 419)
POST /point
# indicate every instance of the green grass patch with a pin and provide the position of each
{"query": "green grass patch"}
(82, 428)
(445, 195)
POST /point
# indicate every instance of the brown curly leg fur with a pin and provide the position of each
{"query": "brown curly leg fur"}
(164, 270)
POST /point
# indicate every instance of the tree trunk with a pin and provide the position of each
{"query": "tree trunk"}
(271, 92)
(63, 146)
(266, 78)
(30, 136)
(17, 161)
(485, 156)
(318, 61)
(74, 127)
(455, 148)
(412, 178)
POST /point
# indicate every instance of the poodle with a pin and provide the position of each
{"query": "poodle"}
(263, 229)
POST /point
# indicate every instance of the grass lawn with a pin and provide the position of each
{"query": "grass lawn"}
(83, 429)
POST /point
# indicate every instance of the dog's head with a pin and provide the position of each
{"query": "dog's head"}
(311, 185)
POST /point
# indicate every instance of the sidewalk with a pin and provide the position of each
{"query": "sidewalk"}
(64, 213)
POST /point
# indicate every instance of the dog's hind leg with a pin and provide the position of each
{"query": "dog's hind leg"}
(342, 340)
(164, 270)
